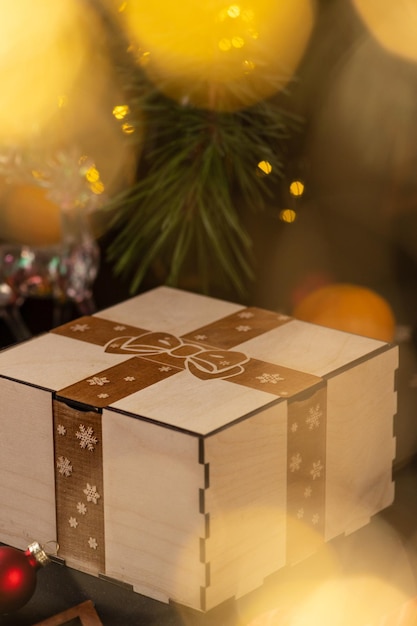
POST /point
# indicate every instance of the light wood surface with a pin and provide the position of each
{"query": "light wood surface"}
(203, 490)
(27, 482)
(153, 525)
(246, 503)
(360, 443)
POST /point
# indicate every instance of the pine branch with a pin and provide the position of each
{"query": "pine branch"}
(198, 167)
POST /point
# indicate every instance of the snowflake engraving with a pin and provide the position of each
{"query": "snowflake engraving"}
(315, 519)
(246, 315)
(61, 430)
(98, 380)
(64, 466)
(79, 328)
(119, 327)
(300, 513)
(81, 508)
(314, 415)
(269, 378)
(308, 492)
(294, 427)
(102, 395)
(243, 328)
(165, 368)
(91, 493)
(87, 438)
(200, 337)
(129, 379)
(92, 542)
(283, 318)
(295, 462)
(317, 469)
(73, 522)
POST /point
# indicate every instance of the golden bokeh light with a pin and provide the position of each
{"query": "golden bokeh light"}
(264, 167)
(393, 24)
(296, 188)
(120, 111)
(92, 174)
(344, 601)
(42, 47)
(128, 129)
(201, 52)
(287, 215)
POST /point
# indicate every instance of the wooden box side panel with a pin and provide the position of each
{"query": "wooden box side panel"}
(153, 525)
(27, 487)
(360, 443)
(246, 503)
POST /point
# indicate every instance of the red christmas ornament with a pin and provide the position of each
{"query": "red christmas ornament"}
(18, 571)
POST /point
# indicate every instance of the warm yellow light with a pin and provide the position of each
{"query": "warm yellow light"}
(225, 44)
(120, 111)
(97, 187)
(297, 188)
(128, 129)
(287, 215)
(42, 47)
(394, 24)
(233, 11)
(92, 175)
(238, 42)
(200, 51)
(265, 167)
(62, 102)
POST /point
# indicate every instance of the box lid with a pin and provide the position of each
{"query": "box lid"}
(184, 360)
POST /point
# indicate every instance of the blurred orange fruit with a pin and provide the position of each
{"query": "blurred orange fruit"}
(351, 308)
(27, 216)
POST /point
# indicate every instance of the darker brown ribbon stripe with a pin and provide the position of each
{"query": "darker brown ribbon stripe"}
(205, 352)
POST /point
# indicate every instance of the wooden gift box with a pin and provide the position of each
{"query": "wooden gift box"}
(191, 447)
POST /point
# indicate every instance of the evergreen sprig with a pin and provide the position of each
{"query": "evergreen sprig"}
(197, 177)
(198, 174)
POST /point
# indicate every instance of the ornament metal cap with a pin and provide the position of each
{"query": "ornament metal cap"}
(39, 554)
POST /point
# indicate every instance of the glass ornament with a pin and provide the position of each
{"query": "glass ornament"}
(18, 571)
(219, 55)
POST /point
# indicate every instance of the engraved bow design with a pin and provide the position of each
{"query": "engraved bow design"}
(203, 362)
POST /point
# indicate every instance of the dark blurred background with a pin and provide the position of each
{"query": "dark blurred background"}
(356, 153)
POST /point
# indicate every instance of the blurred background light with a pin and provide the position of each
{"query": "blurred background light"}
(42, 47)
(219, 55)
(393, 24)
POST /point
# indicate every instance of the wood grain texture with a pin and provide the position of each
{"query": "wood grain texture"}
(186, 402)
(246, 503)
(54, 362)
(306, 474)
(360, 443)
(79, 487)
(27, 491)
(166, 309)
(310, 348)
(153, 524)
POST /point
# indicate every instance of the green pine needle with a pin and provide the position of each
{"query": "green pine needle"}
(198, 176)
